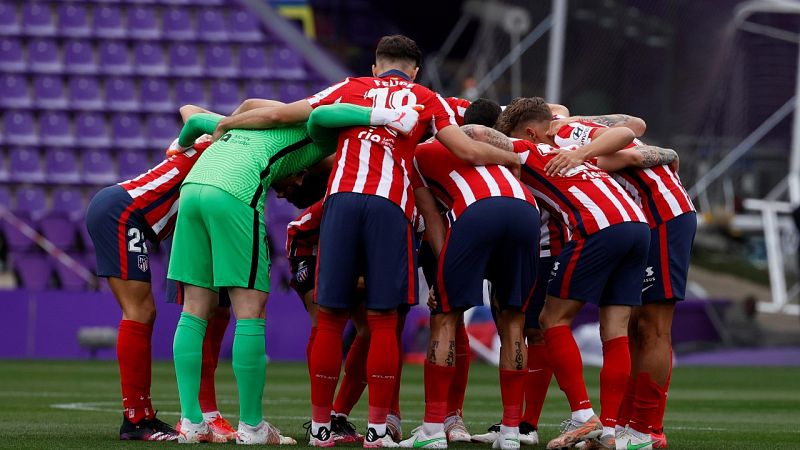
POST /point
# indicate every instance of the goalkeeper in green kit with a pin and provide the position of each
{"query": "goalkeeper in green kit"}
(220, 242)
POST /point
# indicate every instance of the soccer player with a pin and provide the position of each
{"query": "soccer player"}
(220, 242)
(673, 223)
(494, 234)
(121, 219)
(602, 264)
(367, 220)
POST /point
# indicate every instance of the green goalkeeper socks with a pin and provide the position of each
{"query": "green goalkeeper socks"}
(187, 351)
(249, 367)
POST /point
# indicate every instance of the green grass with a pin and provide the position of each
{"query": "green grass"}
(710, 408)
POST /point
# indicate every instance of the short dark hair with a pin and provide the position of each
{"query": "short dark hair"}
(398, 48)
(482, 112)
(523, 110)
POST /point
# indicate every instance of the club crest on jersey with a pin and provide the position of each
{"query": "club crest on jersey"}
(143, 263)
(302, 272)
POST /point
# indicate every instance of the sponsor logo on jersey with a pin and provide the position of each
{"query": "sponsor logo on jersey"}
(649, 276)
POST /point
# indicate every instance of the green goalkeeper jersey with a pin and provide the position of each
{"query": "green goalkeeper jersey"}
(245, 163)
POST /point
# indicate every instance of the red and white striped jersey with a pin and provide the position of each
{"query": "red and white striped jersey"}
(459, 106)
(302, 234)
(376, 160)
(657, 190)
(155, 192)
(586, 199)
(553, 236)
(458, 184)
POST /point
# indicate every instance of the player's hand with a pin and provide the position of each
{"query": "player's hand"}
(405, 118)
(514, 165)
(432, 303)
(175, 149)
(675, 165)
(219, 131)
(563, 162)
(557, 124)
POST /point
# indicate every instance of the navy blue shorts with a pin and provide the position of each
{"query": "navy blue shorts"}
(606, 268)
(371, 234)
(536, 304)
(175, 294)
(120, 234)
(668, 265)
(497, 239)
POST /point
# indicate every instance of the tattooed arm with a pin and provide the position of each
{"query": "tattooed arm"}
(489, 136)
(637, 125)
(642, 156)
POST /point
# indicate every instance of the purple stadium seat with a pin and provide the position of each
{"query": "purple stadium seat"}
(54, 128)
(244, 26)
(61, 166)
(12, 57)
(9, 19)
(43, 56)
(155, 95)
(161, 130)
(25, 165)
(38, 20)
(184, 60)
(5, 197)
(190, 92)
(257, 89)
(224, 96)
(211, 26)
(219, 61)
(69, 280)
(91, 130)
(34, 270)
(4, 177)
(98, 167)
(132, 163)
(79, 57)
(68, 201)
(33, 201)
(48, 92)
(127, 131)
(14, 91)
(253, 62)
(73, 21)
(114, 58)
(291, 92)
(19, 128)
(58, 229)
(108, 22)
(85, 94)
(149, 59)
(121, 94)
(178, 25)
(287, 64)
(143, 23)
(15, 239)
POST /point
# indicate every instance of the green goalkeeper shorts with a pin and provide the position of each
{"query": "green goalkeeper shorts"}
(219, 241)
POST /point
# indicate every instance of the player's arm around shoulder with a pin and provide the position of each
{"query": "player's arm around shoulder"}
(479, 153)
(641, 156)
(266, 117)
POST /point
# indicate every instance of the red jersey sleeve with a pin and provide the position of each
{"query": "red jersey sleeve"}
(459, 106)
(329, 95)
(442, 115)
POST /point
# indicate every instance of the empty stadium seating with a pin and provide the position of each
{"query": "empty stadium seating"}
(89, 93)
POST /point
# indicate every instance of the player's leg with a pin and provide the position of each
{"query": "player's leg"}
(393, 420)
(454, 425)
(354, 380)
(212, 343)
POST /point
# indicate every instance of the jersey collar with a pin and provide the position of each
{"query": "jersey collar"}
(395, 73)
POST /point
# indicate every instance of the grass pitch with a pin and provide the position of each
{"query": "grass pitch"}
(75, 404)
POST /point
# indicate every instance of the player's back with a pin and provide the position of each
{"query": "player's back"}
(586, 198)
(302, 234)
(459, 184)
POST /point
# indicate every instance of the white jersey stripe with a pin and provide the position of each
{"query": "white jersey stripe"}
(494, 188)
(516, 186)
(541, 196)
(451, 115)
(385, 183)
(610, 195)
(463, 186)
(146, 173)
(363, 166)
(630, 189)
(596, 212)
(677, 181)
(665, 192)
(406, 184)
(337, 178)
(151, 185)
(300, 221)
(636, 209)
(319, 96)
(158, 226)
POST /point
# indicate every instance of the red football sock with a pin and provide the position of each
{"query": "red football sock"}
(613, 378)
(354, 380)
(537, 382)
(211, 346)
(646, 404)
(437, 387)
(326, 362)
(565, 359)
(135, 360)
(512, 388)
(662, 407)
(458, 387)
(381, 365)
(310, 344)
(395, 408)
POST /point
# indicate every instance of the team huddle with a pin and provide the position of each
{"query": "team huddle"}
(549, 211)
